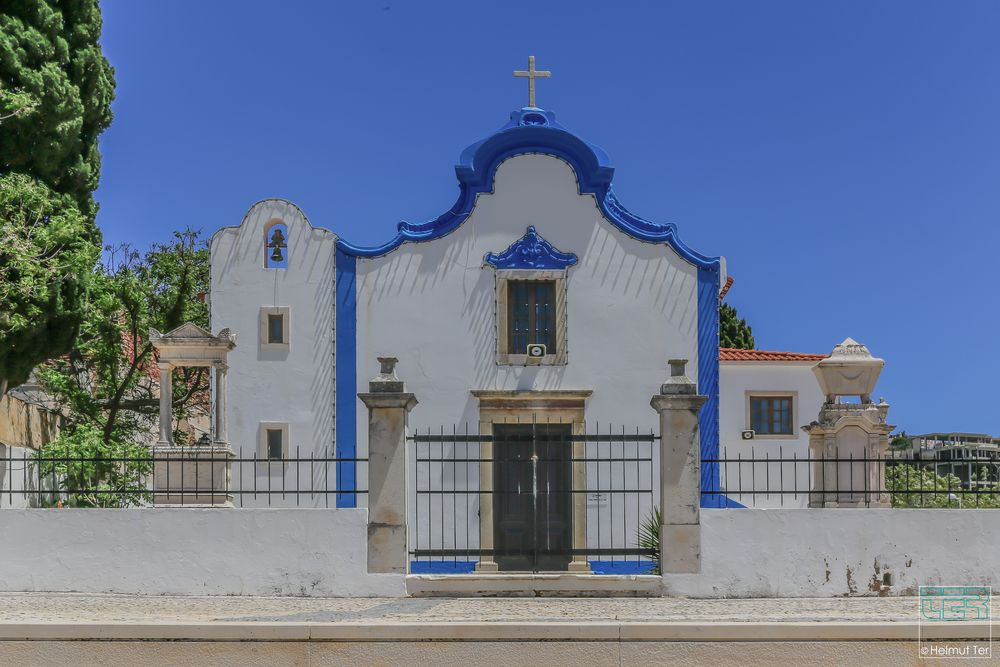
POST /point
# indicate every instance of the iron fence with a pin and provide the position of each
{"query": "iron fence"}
(896, 479)
(534, 497)
(180, 476)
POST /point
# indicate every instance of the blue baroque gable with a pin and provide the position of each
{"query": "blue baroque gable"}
(530, 251)
(533, 130)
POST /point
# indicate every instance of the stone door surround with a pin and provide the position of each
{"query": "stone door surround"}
(565, 406)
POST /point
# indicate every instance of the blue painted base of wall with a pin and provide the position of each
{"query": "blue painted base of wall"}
(622, 566)
(442, 567)
(469, 566)
(719, 501)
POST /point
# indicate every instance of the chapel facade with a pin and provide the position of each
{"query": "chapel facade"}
(536, 297)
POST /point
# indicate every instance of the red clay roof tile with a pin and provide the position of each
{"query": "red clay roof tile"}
(731, 354)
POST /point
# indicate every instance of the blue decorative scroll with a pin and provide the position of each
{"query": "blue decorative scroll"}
(530, 251)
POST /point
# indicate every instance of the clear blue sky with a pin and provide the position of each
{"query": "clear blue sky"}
(844, 156)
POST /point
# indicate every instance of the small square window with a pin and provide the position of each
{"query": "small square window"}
(771, 415)
(275, 329)
(275, 446)
(272, 441)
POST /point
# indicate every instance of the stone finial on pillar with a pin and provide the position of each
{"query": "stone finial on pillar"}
(388, 405)
(386, 381)
(678, 404)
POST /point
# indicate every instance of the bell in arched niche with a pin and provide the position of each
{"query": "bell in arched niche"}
(277, 244)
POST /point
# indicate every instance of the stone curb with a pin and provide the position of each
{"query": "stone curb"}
(492, 631)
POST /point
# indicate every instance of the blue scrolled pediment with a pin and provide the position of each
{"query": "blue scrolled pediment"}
(530, 251)
(533, 130)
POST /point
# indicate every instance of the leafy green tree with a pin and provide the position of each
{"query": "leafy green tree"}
(108, 380)
(82, 469)
(734, 331)
(45, 257)
(56, 89)
(107, 384)
(900, 441)
(913, 486)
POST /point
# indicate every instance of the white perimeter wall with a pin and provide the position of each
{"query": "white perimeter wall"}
(736, 378)
(165, 551)
(312, 552)
(841, 552)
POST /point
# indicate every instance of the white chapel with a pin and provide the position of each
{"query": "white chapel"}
(537, 297)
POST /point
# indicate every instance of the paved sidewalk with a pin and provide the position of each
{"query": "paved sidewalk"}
(113, 630)
(49, 608)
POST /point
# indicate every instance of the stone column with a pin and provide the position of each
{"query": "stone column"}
(166, 405)
(680, 472)
(221, 425)
(388, 404)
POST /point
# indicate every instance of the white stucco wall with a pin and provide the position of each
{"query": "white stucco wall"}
(163, 551)
(631, 305)
(293, 386)
(736, 378)
(745, 553)
(840, 552)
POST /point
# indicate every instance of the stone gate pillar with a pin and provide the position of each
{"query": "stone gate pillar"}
(388, 405)
(678, 404)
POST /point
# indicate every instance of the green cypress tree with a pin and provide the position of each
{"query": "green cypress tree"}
(733, 330)
(56, 89)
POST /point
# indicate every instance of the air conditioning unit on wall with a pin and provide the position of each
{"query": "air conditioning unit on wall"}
(748, 434)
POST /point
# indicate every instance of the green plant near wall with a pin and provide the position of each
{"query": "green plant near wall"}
(107, 379)
(81, 469)
(649, 537)
(911, 486)
(901, 441)
(734, 331)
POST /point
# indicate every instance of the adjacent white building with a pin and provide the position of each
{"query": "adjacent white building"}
(765, 398)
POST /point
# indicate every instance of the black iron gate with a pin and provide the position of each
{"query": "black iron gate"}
(532, 497)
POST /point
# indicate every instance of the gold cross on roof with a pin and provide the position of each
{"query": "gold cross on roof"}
(531, 73)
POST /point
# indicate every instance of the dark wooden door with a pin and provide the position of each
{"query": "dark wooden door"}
(533, 499)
